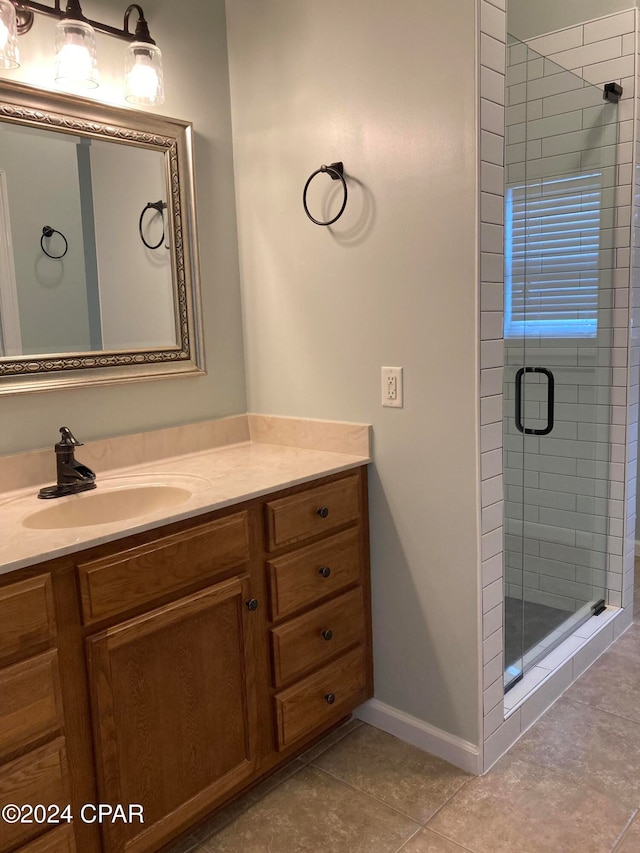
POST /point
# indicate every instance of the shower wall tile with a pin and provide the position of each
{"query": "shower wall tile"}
(492, 88)
(491, 148)
(492, 21)
(622, 24)
(548, 45)
(587, 470)
(492, 53)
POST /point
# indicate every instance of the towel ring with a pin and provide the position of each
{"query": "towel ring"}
(335, 172)
(159, 206)
(48, 232)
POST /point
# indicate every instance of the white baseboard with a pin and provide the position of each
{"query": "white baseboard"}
(410, 729)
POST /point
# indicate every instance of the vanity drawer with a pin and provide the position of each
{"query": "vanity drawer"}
(59, 840)
(307, 705)
(308, 641)
(27, 621)
(30, 703)
(39, 777)
(310, 574)
(115, 584)
(312, 512)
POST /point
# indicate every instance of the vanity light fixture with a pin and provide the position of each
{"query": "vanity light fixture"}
(76, 64)
(9, 56)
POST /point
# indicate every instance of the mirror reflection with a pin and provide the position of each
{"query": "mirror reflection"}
(100, 276)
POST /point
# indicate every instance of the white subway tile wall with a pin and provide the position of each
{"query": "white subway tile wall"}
(596, 397)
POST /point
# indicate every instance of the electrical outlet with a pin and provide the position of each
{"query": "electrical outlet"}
(391, 378)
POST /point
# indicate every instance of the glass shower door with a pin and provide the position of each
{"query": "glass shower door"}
(559, 255)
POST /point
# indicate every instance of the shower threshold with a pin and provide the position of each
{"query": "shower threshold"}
(546, 628)
(555, 654)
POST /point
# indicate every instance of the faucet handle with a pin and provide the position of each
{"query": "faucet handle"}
(68, 439)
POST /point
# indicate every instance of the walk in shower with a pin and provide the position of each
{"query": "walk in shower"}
(560, 179)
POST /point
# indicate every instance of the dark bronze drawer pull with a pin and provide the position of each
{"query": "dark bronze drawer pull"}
(323, 511)
(330, 698)
(325, 571)
(252, 604)
(327, 635)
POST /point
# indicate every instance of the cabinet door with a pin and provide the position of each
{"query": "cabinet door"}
(174, 711)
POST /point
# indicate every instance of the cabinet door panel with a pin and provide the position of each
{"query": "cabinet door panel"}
(40, 777)
(30, 703)
(173, 702)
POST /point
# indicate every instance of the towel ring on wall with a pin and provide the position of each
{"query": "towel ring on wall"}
(48, 232)
(335, 172)
(159, 206)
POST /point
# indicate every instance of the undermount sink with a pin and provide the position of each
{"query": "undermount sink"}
(90, 508)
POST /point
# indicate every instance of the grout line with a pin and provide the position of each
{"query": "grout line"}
(368, 795)
(597, 707)
(620, 838)
(404, 843)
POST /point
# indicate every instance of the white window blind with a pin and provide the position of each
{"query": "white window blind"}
(552, 247)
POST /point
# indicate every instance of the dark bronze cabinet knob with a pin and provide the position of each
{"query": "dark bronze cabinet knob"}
(323, 511)
(325, 571)
(252, 604)
(330, 698)
(327, 635)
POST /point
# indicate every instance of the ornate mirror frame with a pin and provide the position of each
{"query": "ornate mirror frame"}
(31, 107)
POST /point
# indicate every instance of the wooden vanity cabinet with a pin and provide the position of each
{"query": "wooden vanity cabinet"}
(319, 593)
(33, 753)
(214, 650)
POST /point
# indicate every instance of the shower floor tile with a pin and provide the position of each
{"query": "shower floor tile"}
(527, 624)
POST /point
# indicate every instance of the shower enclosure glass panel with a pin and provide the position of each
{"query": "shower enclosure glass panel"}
(559, 259)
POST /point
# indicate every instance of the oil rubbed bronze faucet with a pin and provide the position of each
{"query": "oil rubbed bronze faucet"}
(73, 476)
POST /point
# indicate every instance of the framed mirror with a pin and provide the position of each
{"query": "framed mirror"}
(99, 278)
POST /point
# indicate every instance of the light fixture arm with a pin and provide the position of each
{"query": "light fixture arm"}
(25, 10)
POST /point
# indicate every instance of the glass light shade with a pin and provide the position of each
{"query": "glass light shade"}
(144, 83)
(76, 62)
(9, 55)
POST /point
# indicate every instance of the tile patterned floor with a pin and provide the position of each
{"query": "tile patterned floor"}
(570, 785)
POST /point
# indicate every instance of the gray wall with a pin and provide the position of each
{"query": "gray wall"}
(392, 283)
(197, 89)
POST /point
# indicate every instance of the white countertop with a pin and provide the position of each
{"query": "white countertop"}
(215, 478)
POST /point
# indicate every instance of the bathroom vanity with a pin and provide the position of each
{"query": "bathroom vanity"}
(174, 667)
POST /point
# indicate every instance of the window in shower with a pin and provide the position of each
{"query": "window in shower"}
(552, 244)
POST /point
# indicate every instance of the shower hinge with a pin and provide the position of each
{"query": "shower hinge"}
(598, 607)
(612, 92)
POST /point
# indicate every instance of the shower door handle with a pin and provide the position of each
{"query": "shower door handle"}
(550, 400)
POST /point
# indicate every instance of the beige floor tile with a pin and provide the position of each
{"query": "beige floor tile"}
(427, 841)
(521, 807)
(313, 812)
(630, 842)
(400, 775)
(613, 682)
(591, 746)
